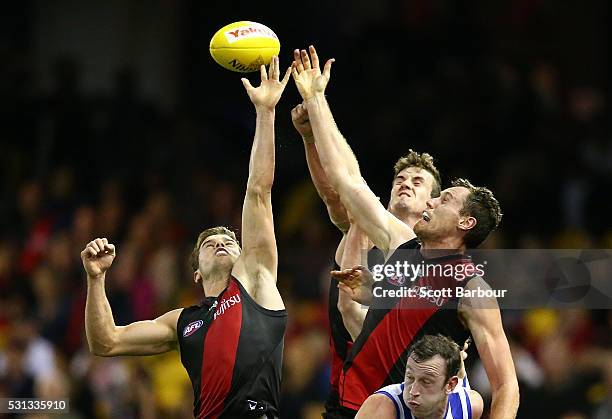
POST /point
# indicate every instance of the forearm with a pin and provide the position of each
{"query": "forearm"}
(335, 155)
(261, 164)
(99, 323)
(505, 401)
(353, 314)
(337, 212)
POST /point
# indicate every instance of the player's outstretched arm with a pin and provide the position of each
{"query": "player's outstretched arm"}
(483, 318)
(256, 266)
(384, 230)
(335, 209)
(103, 336)
(353, 313)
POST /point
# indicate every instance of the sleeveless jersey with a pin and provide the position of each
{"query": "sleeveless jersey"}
(457, 407)
(340, 341)
(379, 355)
(232, 349)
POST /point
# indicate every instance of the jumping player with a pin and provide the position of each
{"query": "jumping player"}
(416, 180)
(231, 345)
(461, 218)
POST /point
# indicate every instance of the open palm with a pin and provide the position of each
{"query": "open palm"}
(307, 74)
(270, 90)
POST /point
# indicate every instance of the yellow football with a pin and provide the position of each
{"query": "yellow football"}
(244, 46)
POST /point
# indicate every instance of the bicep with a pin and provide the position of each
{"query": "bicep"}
(377, 406)
(148, 337)
(258, 240)
(485, 324)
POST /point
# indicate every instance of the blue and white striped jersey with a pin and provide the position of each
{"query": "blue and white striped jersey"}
(458, 406)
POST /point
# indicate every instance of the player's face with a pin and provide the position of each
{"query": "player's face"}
(410, 191)
(442, 218)
(218, 251)
(425, 388)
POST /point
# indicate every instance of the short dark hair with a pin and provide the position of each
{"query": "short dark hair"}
(424, 161)
(429, 346)
(193, 259)
(482, 205)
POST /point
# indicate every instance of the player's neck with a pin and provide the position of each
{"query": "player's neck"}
(441, 246)
(215, 282)
(406, 216)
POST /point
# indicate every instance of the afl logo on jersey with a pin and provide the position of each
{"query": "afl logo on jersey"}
(191, 328)
(397, 280)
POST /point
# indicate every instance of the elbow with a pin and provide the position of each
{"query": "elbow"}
(101, 347)
(101, 350)
(344, 184)
(259, 187)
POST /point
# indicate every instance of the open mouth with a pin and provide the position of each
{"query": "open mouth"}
(221, 252)
(426, 216)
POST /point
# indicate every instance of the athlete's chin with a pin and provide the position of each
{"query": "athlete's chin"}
(223, 263)
(421, 229)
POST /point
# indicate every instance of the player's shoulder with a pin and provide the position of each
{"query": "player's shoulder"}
(462, 399)
(395, 389)
(378, 405)
(476, 403)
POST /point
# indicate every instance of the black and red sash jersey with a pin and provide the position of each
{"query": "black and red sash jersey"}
(340, 340)
(232, 349)
(379, 355)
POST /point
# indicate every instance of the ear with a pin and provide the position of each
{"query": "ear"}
(467, 223)
(451, 384)
(197, 276)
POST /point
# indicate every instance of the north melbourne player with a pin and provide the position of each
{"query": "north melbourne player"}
(435, 386)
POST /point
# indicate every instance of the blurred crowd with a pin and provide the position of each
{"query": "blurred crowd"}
(77, 165)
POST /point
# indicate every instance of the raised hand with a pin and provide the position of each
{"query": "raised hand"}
(97, 257)
(270, 90)
(299, 117)
(307, 74)
(356, 282)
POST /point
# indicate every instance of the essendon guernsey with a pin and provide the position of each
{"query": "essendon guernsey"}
(379, 355)
(232, 349)
(340, 341)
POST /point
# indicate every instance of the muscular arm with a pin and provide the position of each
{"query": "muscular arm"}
(352, 312)
(377, 406)
(140, 338)
(259, 253)
(335, 209)
(483, 318)
(256, 267)
(383, 228)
